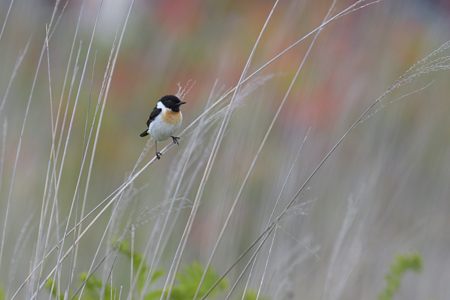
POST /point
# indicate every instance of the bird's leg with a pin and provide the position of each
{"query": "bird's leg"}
(175, 139)
(158, 154)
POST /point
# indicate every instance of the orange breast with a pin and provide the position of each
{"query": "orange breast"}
(171, 117)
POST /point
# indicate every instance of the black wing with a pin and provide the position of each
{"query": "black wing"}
(153, 115)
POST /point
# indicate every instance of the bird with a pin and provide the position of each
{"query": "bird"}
(164, 121)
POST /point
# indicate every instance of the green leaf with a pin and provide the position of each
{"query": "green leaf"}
(155, 295)
(401, 264)
(252, 294)
(110, 293)
(141, 271)
(94, 285)
(50, 285)
(187, 282)
(189, 279)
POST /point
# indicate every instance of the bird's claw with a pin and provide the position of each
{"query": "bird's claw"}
(175, 139)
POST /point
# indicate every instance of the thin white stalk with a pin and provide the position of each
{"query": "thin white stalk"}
(85, 155)
(51, 152)
(51, 168)
(113, 196)
(252, 258)
(66, 76)
(352, 8)
(247, 283)
(83, 160)
(99, 123)
(261, 146)
(86, 143)
(98, 127)
(133, 232)
(108, 85)
(115, 215)
(347, 223)
(17, 65)
(16, 159)
(54, 209)
(69, 131)
(138, 161)
(402, 97)
(183, 168)
(178, 254)
(92, 267)
(80, 84)
(185, 158)
(263, 237)
(53, 156)
(62, 10)
(6, 19)
(269, 255)
(20, 245)
(80, 289)
(50, 93)
(2, 155)
(280, 194)
(398, 83)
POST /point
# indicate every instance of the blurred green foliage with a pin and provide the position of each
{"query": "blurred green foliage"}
(140, 268)
(253, 295)
(397, 158)
(400, 265)
(187, 281)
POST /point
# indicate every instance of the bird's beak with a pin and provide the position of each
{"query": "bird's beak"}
(181, 103)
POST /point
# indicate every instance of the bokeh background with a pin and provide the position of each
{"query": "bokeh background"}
(383, 192)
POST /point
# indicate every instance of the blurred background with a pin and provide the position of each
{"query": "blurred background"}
(383, 192)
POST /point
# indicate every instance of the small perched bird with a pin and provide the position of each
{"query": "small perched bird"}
(164, 120)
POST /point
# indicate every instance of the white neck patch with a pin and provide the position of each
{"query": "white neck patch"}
(160, 105)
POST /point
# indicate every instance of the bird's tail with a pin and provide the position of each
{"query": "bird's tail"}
(145, 133)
